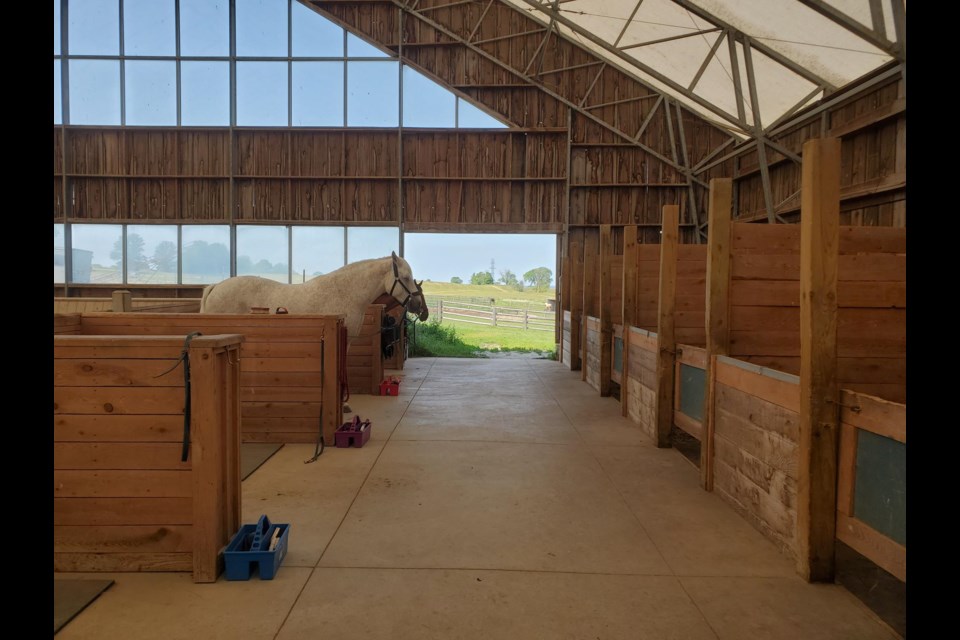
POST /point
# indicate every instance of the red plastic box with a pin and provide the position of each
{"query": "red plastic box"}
(390, 387)
(354, 433)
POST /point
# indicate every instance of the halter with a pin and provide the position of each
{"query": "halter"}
(410, 294)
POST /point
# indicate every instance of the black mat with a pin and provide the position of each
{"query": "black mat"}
(254, 454)
(70, 597)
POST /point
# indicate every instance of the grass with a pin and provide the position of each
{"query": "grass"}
(502, 294)
(470, 341)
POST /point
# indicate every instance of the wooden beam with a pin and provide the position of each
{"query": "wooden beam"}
(667, 351)
(718, 309)
(591, 266)
(629, 304)
(604, 312)
(819, 415)
(576, 300)
(122, 301)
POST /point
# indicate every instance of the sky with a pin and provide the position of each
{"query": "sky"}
(440, 256)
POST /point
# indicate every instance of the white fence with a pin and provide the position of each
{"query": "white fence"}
(494, 316)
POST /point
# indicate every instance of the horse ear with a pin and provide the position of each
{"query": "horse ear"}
(394, 254)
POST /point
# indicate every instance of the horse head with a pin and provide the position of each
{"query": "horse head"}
(399, 283)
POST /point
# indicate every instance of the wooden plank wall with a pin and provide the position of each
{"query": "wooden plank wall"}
(66, 323)
(566, 344)
(591, 361)
(615, 302)
(690, 305)
(122, 498)
(765, 301)
(281, 388)
(648, 284)
(872, 313)
(155, 305)
(364, 360)
(642, 379)
(395, 362)
(756, 417)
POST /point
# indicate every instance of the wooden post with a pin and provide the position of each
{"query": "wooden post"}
(332, 416)
(591, 265)
(667, 349)
(718, 310)
(212, 403)
(440, 311)
(819, 411)
(122, 301)
(563, 302)
(629, 301)
(493, 316)
(603, 313)
(576, 302)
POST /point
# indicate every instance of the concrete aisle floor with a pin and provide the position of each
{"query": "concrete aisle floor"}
(498, 498)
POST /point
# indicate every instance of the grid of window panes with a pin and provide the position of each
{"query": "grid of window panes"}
(202, 254)
(234, 62)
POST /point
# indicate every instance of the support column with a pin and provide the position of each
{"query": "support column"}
(667, 350)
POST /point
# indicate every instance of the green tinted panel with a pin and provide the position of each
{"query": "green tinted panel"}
(880, 489)
(693, 384)
(618, 354)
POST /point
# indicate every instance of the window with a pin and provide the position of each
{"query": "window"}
(206, 253)
(316, 251)
(97, 251)
(469, 116)
(364, 243)
(372, 90)
(359, 48)
(94, 92)
(204, 28)
(57, 97)
(318, 94)
(425, 103)
(148, 28)
(59, 255)
(56, 27)
(263, 251)
(94, 27)
(205, 93)
(262, 94)
(314, 36)
(151, 88)
(262, 28)
(152, 254)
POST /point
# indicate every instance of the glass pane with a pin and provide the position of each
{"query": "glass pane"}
(470, 117)
(152, 254)
(148, 28)
(880, 485)
(94, 92)
(57, 94)
(56, 27)
(204, 28)
(318, 94)
(364, 243)
(97, 252)
(206, 253)
(205, 93)
(316, 251)
(425, 103)
(314, 35)
(151, 92)
(262, 28)
(94, 27)
(359, 48)
(263, 251)
(262, 93)
(373, 94)
(693, 389)
(59, 254)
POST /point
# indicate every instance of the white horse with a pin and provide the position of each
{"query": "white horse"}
(347, 291)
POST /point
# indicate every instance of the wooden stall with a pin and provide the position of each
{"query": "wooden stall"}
(364, 359)
(123, 499)
(290, 372)
(827, 304)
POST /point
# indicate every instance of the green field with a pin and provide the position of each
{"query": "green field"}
(483, 337)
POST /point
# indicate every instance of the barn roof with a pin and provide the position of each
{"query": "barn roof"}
(743, 64)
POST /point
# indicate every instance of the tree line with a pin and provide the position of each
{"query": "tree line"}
(540, 279)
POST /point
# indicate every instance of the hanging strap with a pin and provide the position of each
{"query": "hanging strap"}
(185, 359)
(318, 451)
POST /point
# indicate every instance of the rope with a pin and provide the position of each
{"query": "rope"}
(185, 359)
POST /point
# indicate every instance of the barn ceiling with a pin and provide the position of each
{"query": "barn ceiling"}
(746, 65)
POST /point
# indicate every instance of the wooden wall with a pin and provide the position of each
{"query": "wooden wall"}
(642, 379)
(690, 295)
(122, 498)
(364, 360)
(756, 417)
(765, 298)
(592, 346)
(283, 392)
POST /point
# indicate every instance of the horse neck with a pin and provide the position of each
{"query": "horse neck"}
(362, 280)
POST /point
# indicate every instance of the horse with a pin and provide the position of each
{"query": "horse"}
(347, 291)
